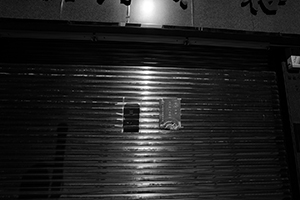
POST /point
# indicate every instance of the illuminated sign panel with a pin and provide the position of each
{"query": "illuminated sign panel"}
(160, 12)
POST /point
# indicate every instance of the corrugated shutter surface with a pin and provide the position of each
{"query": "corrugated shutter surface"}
(231, 145)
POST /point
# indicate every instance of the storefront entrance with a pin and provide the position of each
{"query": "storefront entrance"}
(229, 145)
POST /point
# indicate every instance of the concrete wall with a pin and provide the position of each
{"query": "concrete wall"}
(204, 13)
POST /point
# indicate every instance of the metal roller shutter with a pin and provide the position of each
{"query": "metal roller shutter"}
(62, 123)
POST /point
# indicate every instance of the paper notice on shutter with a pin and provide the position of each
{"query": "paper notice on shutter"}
(170, 114)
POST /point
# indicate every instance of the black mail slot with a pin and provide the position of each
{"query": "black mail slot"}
(131, 116)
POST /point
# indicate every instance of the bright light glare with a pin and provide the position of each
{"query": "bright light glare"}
(148, 8)
(146, 72)
(146, 67)
(145, 87)
(146, 77)
(145, 82)
(145, 93)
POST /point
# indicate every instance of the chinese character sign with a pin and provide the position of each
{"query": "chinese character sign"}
(269, 7)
